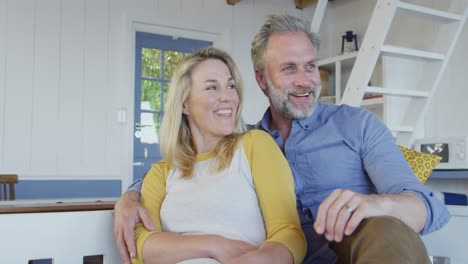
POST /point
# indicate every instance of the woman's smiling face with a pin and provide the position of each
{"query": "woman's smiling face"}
(212, 103)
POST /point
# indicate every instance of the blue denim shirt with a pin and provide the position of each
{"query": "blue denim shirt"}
(348, 148)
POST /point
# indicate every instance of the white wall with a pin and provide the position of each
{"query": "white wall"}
(67, 66)
(447, 114)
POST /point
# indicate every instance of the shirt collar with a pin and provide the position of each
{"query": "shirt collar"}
(305, 123)
(308, 122)
(266, 120)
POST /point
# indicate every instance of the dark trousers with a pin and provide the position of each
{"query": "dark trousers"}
(382, 240)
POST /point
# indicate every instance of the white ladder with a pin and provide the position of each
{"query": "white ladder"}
(374, 46)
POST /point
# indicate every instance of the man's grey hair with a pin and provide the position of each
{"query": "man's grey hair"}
(280, 23)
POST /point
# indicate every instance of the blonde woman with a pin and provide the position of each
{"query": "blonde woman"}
(220, 195)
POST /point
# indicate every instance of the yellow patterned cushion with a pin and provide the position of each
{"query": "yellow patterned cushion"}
(421, 163)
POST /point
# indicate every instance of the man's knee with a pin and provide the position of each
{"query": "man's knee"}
(382, 225)
(382, 240)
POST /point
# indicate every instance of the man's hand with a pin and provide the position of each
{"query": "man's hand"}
(343, 210)
(128, 211)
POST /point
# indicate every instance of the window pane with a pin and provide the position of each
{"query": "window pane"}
(171, 59)
(150, 95)
(151, 63)
(150, 124)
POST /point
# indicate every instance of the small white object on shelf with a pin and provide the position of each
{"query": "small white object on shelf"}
(372, 101)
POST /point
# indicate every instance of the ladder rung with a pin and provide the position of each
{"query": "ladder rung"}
(343, 57)
(406, 129)
(388, 91)
(429, 13)
(407, 52)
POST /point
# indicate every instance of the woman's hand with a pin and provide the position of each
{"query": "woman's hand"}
(225, 249)
(268, 253)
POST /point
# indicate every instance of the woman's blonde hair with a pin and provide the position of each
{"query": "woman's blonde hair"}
(177, 148)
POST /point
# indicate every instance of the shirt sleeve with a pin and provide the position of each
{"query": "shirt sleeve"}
(391, 173)
(153, 191)
(274, 185)
(136, 186)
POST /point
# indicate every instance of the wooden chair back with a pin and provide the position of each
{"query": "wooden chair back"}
(8, 180)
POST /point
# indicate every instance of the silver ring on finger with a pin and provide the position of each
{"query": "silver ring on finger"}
(349, 208)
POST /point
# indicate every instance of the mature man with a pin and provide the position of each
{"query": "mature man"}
(358, 200)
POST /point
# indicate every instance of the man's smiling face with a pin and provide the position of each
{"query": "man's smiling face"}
(291, 74)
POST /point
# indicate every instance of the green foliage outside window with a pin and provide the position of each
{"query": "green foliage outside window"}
(151, 68)
(151, 92)
(151, 63)
(171, 60)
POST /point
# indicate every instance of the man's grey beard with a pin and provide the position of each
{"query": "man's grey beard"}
(283, 105)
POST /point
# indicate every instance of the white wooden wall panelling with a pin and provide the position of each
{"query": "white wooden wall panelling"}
(70, 140)
(168, 13)
(3, 41)
(128, 12)
(198, 12)
(119, 134)
(18, 84)
(46, 86)
(187, 10)
(197, 15)
(96, 104)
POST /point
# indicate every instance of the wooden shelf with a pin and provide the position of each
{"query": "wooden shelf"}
(347, 60)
